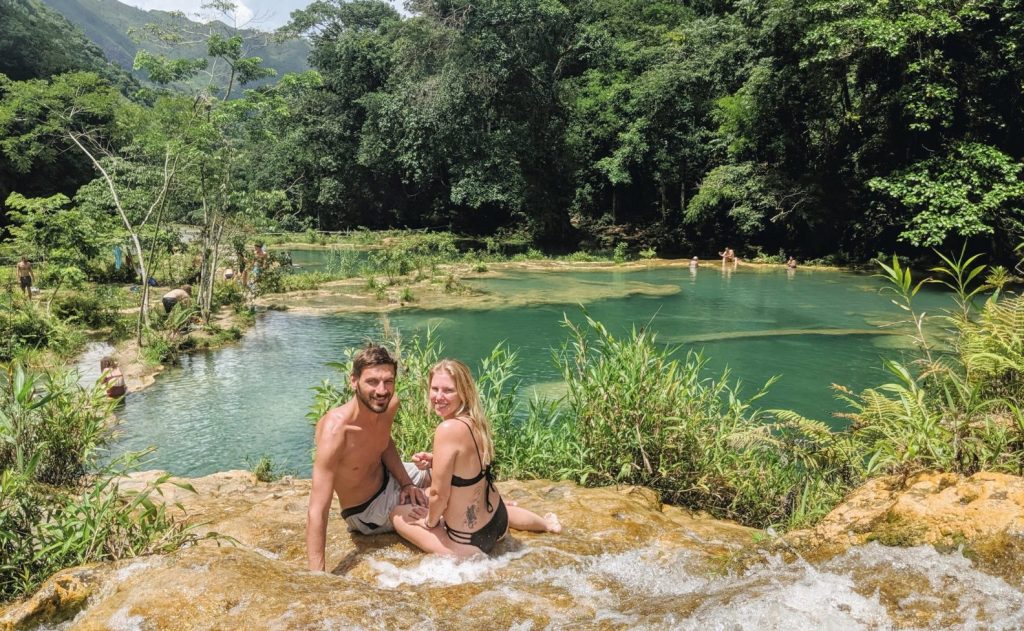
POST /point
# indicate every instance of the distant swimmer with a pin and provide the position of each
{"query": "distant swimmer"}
(791, 263)
(113, 378)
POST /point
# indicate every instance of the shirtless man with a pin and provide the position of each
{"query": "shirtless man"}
(356, 458)
(24, 268)
(176, 296)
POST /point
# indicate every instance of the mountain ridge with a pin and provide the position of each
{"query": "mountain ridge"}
(109, 24)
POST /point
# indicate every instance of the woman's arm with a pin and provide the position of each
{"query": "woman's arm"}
(446, 449)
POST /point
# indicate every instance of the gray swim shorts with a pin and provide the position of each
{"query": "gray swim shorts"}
(371, 517)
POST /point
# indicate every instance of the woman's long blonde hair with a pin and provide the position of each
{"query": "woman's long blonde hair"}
(471, 408)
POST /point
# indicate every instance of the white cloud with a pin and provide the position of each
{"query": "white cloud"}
(193, 9)
(264, 14)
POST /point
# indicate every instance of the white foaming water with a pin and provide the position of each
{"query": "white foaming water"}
(793, 597)
(441, 570)
(648, 571)
(122, 620)
(984, 601)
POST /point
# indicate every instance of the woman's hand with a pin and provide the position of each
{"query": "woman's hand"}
(423, 460)
(420, 514)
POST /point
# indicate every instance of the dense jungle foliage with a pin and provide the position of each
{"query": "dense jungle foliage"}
(816, 128)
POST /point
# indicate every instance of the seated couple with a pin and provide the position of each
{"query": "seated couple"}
(461, 514)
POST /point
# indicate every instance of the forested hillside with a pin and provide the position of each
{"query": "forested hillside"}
(770, 126)
(36, 42)
(816, 127)
(121, 30)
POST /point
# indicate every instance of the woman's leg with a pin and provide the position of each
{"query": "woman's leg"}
(435, 540)
(522, 519)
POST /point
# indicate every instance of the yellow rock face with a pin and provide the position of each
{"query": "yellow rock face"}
(941, 509)
(624, 561)
(261, 582)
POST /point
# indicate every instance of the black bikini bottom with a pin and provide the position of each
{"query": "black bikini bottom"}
(487, 537)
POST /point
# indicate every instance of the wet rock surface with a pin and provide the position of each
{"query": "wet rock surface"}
(623, 562)
(941, 509)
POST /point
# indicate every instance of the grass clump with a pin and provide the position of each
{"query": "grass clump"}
(265, 469)
(643, 417)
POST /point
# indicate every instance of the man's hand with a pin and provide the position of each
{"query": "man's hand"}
(412, 494)
(423, 460)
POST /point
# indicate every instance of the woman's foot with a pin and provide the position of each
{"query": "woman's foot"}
(552, 523)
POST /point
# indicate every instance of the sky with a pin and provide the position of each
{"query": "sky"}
(265, 15)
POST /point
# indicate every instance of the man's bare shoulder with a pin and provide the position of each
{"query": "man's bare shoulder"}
(332, 425)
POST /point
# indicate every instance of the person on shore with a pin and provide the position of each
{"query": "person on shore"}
(259, 260)
(181, 295)
(113, 378)
(465, 515)
(356, 458)
(24, 270)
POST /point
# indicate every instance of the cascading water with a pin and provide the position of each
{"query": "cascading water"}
(623, 562)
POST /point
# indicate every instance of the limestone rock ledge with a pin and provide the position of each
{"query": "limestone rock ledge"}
(984, 512)
(657, 564)
(254, 576)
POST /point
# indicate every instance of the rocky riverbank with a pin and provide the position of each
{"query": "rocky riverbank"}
(623, 561)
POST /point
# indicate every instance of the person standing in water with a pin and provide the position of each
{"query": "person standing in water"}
(465, 515)
(113, 378)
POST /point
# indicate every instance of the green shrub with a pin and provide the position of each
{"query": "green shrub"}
(95, 308)
(643, 417)
(26, 326)
(264, 468)
(959, 411)
(583, 257)
(621, 252)
(228, 292)
(305, 281)
(56, 510)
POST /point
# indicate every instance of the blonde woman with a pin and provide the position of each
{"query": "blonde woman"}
(465, 515)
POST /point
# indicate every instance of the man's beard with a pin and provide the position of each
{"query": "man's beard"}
(374, 406)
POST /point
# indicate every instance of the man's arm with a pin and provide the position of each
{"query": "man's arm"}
(410, 493)
(328, 447)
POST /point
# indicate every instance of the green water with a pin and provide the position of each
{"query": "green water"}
(810, 328)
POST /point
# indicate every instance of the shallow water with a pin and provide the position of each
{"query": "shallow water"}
(812, 328)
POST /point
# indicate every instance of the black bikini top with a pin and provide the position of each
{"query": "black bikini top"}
(485, 472)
